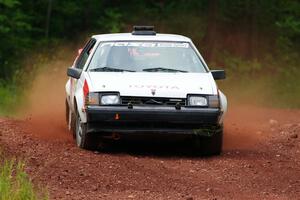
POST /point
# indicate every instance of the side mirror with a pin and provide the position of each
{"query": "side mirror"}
(218, 74)
(74, 72)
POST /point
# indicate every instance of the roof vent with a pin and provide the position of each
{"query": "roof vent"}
(143, 30)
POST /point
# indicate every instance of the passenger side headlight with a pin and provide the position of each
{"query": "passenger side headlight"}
(110, 99)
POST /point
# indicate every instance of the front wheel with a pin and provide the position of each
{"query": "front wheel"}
(67, 111)
(83, 139)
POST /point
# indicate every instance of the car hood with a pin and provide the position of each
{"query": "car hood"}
(156, 84)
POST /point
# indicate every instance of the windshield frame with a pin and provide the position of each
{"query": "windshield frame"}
(191, 45)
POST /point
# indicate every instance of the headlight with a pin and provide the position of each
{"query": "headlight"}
(207, 101)
(92, 98)
(110, 99)
(197, 101)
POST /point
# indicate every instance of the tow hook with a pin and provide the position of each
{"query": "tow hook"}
(116, 136)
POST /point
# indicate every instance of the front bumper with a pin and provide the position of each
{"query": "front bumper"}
(152, 120)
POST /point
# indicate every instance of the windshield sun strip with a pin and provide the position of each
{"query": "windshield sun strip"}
(166, 41)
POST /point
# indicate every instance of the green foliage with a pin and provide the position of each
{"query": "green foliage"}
(8, 100)
(9, 3)
(255, 35)
(14, 182)
(286, 89)
(289, 26)
(237, 65)
(14, 30)
(23, 23)
(111, 21)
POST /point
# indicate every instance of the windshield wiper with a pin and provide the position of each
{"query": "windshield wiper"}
(156, 69)
(110, 69)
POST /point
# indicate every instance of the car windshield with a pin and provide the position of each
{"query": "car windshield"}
(146, 57)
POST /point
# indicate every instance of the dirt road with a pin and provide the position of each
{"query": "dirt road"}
(261, 160)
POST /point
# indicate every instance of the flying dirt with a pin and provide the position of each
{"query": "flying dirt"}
(261, 158)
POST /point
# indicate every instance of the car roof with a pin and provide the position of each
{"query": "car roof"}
(130, 37)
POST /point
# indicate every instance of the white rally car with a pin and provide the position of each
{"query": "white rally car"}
(143, 83)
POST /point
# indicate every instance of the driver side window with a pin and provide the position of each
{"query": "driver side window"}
(85, 54)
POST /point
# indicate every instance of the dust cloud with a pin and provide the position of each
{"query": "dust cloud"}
(44, 112)
(247, 125)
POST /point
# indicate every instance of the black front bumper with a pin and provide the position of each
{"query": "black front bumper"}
(152, 119)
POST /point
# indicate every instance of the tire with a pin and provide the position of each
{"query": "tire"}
(210, 146)
(83, 139)
(73, 125)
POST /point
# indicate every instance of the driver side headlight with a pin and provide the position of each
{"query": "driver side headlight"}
(197, 101)
(211, 101)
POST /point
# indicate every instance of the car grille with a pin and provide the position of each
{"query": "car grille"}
(152, 101)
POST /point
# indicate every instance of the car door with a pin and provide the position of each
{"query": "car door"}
(79, 64)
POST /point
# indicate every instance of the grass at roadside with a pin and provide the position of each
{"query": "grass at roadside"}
(15, 183)
(267, 91)
(265, 83)
(9, 98)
